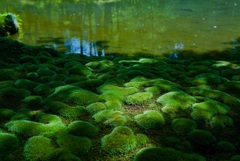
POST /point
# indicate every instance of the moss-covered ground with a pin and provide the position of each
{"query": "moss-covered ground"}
(117, 108)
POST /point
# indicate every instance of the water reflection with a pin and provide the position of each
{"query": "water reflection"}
(128, 26)
(77, 46)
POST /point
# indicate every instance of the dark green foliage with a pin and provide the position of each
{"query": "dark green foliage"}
(226, 146)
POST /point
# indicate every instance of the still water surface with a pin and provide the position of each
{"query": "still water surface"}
(98, 27)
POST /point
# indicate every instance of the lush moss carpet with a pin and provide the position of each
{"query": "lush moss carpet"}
(122, 108)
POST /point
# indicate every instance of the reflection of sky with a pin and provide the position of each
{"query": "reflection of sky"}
(76, 46)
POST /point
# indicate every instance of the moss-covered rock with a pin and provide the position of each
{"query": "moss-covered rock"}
(120, 140)
(175, 102)
(168, 154)
(38, 148)
(75, 144)
(150, 119)
(165, 85)
(183, 125)
(82, 128)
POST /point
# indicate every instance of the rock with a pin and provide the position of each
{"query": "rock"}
(11, 24)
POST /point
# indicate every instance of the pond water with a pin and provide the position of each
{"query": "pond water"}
(98, 27)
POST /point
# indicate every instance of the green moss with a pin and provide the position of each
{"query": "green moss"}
(202, 140)
(32, 101)
(183, 125)
(95, 107)
(75, 144)
(25, 84)
(120, 140)
(43, 90)
(45, 71)
(15, 93)
(138, 98)
(8, 143)
(177, 143)
(235, 158)
(38, 148)
(120, 90)
(82, 128)
(221, 121)
(154, 90)
(165, 85)
(48, 118)
(201, 115)
(22, 114)
(168, 154)
(141, 139)
(214, 107)
(6, 114)
(231, 86)
(226, 146)
(61, 154)
(55, 83)
(8, 74)
(110, 117)
(175, 102)
(80, 70)
(215, 94)
(74, 95)
(208, 78)
(150, 119)
(72, 112)
(74, 78)
(30, 128)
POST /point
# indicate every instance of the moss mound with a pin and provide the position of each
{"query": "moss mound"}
(38, 148)
(120, 140)
(73, 95)
(150, 119)
(175, 102)
(139, 98)
(75, 144)
(110, 118)
(82, 128)
(166, 154)
(183, 125)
